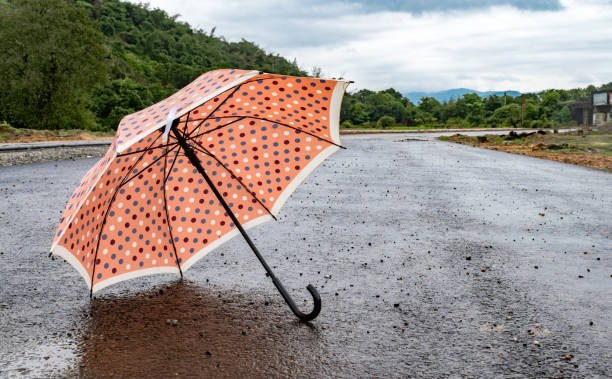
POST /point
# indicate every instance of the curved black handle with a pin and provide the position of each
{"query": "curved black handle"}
(294, 308)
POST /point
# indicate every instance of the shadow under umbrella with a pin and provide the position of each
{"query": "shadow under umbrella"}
(186, 330)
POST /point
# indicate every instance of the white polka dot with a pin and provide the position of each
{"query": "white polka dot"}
(112, 227)
(191, 200)
(186, 189)
(105, 251)
(166, 261)
(127, 267)
(120, 205)
(319, 147)
(179, 229)
(154, 261)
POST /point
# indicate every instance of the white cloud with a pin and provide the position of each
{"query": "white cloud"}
(484, 48)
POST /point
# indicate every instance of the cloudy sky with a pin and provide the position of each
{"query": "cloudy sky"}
(424, 45)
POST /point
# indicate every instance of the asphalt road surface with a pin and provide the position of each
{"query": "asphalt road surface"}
(432, 260)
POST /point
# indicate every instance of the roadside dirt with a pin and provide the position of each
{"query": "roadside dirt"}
(9, 134)
(593, 150)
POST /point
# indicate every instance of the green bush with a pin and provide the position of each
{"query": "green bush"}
(346, 124)
(385, 121)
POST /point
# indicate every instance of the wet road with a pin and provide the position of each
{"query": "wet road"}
(432, 260)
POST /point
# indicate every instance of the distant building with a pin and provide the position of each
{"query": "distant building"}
(602, 107)
(595, 111)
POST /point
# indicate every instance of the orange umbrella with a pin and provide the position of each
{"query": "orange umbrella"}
(187, 174)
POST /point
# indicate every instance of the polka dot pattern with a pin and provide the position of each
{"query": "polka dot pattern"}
(138, 124)
(146, 209)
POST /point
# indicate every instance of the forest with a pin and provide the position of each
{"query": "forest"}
(84, 64)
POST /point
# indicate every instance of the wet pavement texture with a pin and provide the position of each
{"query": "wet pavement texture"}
(432, 260)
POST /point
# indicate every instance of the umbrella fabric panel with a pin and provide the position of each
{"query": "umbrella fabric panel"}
(135, 239)
(302, 103)
(199, 222)
(137, 125)
(78, 196)
(263, 156)
(76, 239)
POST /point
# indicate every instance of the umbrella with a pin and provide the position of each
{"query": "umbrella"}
(187, 174)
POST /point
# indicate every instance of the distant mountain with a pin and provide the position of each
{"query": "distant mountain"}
(455, 93)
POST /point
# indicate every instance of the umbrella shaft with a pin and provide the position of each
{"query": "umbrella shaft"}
(193, 158)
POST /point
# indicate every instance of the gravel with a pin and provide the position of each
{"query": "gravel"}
(12, 158)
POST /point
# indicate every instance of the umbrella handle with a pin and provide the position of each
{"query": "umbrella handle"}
(289, 300)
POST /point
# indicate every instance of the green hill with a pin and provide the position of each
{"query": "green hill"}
(86, 64)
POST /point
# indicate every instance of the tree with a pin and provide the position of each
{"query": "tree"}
(53, 55)
(564, 115)
(359, 113)
(508, 115)
(430, 106)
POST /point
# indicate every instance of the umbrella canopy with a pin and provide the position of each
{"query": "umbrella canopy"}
(189, 173)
